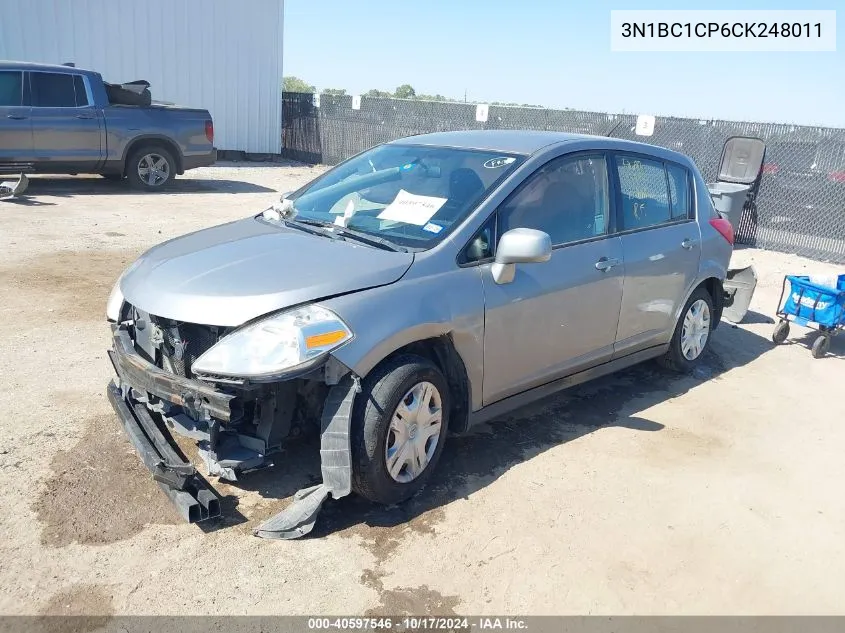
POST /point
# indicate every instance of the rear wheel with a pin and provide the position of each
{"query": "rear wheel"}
(398, 429)
(150, 168)
(692, 333)
(821, 346)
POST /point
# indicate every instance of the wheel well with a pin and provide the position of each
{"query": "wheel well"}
(164, 143)
(717, 294)
(441, 351)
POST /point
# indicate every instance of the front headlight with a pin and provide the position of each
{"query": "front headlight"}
(115, 302)
(275, 346)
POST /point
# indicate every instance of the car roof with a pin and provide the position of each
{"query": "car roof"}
(530, 141)
(35, 66)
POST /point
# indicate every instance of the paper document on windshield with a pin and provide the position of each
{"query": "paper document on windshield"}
(411, 208)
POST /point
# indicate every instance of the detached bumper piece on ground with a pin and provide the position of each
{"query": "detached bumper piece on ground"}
(12, 188)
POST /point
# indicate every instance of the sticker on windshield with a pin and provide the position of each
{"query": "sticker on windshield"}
(501, 161)
(411, 208)
(431, 227)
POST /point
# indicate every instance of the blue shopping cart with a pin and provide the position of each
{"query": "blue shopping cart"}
(811, 305)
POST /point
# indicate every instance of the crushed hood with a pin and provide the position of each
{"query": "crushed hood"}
(229, 274)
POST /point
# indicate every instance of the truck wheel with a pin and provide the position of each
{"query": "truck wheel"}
(150, 168)
(692, 333)
(398, 429)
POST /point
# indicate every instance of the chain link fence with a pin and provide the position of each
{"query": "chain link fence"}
(800, 207)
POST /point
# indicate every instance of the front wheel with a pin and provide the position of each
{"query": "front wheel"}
(692, 333)
(398, 429)
(150, 168)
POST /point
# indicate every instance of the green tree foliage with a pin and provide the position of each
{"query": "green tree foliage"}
(405, 91)
(295, 84)
(378, 93)
(334, 91)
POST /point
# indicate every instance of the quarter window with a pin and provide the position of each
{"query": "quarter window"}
(679, 190)
(11, 92)
(567, 198)
(52, 90)
(645, 192)
(79, 90)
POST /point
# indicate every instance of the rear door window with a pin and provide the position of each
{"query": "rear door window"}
(645, 192)
(52, 90)
(11, 88)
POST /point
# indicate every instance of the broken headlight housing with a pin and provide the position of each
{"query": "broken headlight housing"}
(287, 342)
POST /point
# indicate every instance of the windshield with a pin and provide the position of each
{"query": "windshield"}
(411, 195)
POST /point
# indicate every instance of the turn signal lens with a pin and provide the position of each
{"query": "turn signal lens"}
(329, 338)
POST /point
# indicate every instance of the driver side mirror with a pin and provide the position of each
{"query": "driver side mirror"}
(519, 246)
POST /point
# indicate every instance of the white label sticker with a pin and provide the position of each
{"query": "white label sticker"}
(481, 112)
(431, 227)
(411, 208)
(645, 125)
(501, 161)
(316, 100)
(356, 102)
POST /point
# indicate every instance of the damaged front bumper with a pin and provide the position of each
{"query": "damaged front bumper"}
(190, 493)
(143, 393)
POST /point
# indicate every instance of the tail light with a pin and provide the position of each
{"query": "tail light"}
(725, 229)
(837, 176)
(770, 168)
(209, 131)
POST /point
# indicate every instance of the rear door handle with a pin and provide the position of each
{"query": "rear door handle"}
(606, 263)
(688, 243)
(17, 117)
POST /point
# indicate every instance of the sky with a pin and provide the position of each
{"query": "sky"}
(556, 53)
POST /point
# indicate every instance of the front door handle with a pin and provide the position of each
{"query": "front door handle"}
(17, 117)
(688, 243)
(84, 116)
(606, 263)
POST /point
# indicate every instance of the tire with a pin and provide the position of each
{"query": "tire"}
(139, 163)
(675, 358)
(781, 332)
(374, 436)
(113, 176)
(821, 346)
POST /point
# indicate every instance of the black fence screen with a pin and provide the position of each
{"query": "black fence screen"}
(801, 203)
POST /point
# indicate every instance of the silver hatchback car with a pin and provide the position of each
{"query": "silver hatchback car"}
(414, 290)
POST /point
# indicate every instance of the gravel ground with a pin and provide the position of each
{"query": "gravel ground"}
(640, 493)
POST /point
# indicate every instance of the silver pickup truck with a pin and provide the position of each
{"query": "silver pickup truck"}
(65, 120)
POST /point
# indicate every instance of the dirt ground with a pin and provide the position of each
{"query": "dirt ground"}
(642, 493)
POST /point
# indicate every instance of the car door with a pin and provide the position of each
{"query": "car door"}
(661, 246)
(556, 317)
(66, 126)
(15, 123)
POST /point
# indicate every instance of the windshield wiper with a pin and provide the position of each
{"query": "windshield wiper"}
(335, 231)
(368, 238)
(305, 225)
